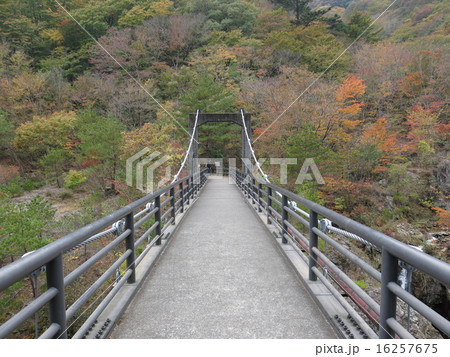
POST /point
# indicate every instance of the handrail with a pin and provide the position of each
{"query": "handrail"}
(21, 268)
(392, 250)
(426, 263)
(52, 255)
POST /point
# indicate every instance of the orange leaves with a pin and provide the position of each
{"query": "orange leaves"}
(412, 84)
(348, 106)
(350, 90)
(377, 132)
(384, 139)
(352, 109)
(350, 124)
(423, 124)
(348, 99)
(444, 216)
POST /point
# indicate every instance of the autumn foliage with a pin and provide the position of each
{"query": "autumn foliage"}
(375, 117)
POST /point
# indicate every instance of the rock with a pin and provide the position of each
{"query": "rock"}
(406, 233)
(442, 176)
(389, 202)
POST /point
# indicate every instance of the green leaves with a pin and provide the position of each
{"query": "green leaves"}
(359, 24)
(314, 46)
(226, 15)
(208, 95)
(22, 227)
(6, 130)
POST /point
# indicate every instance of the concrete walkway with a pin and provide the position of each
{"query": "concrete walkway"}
(222, 276)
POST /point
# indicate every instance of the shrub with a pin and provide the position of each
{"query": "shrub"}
(73, 179)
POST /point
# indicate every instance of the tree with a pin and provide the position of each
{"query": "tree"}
(382, 66)
(422, 123)
(226, 15)
(349, 104)
(360, 23)
(304, 15)
(167, 39)
(38, 137)
(384, 141)
(138, 13)
(55, 163)
(306, 143)
(23, 23)
(209, 95)
(266, 98)
(95, 16)
(6, 132)
(313, 46)
(100, 141)
(273, 20)
(23, 227)
(23, 95)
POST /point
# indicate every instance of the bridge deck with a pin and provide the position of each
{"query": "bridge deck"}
(222, 276)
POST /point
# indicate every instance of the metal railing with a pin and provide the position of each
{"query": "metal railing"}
(161, 206)
(280, 207)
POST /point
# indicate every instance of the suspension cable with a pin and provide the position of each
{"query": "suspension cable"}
(175, 178)
(251, 148)
(293, 204)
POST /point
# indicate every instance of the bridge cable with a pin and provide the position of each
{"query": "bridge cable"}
(101, 293)
(251, 148)
(264, 175)
(292, 240)
(328, 224)
(175, 178)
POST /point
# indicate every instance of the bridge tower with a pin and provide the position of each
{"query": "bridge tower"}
(204, 118)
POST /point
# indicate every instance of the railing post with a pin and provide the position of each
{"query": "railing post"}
(196, 183)
(253, 190)
(313, 241)
(284, 218)
(259, 197)
(188, 191)
(57, 306)
(388, 298)
(181, 188)
(129, 244)
(190, 188)
(269, 203)
(172, 203)
(158, 219)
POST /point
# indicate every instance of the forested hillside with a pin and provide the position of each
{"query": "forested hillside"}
(375, 122)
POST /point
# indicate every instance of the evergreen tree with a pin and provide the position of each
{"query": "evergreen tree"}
(360, 22)
(304, 15)
(209, 95)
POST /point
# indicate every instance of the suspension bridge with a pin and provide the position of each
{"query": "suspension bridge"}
(230, 256)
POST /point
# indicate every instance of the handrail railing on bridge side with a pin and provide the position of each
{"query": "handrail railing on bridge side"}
(179, 198)
(285, 218)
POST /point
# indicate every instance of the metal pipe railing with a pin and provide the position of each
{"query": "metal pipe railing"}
(72, 276)
(123, 223)
(392, 251)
